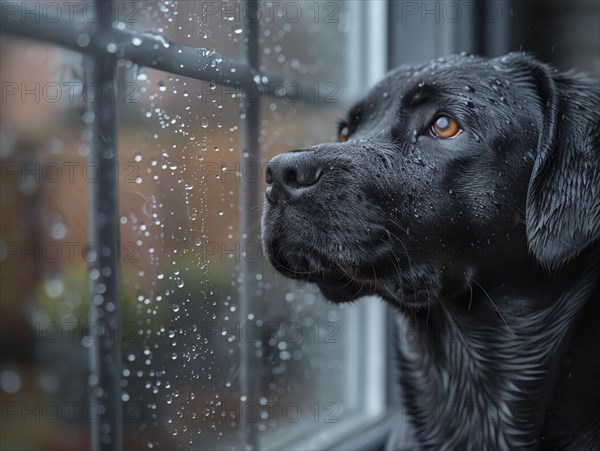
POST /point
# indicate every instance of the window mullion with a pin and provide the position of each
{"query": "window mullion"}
(105, 409)
(250, 264)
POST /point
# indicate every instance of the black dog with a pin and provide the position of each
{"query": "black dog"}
(465, 192)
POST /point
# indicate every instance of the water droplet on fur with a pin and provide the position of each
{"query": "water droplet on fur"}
(414, 137)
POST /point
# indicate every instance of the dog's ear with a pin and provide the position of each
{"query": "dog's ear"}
(563, 199)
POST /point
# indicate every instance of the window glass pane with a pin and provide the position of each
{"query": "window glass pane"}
(180, 139)
(210, 24)
(293, 35)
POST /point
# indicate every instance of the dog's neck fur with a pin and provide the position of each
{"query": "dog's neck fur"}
(462, 378)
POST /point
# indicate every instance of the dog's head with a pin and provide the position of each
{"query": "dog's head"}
(460, 167)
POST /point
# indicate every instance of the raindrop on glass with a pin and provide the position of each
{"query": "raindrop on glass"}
(83, 40)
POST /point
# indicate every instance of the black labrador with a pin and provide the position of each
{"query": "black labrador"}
(466, 193)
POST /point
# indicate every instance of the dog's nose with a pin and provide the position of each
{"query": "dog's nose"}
(291, 175)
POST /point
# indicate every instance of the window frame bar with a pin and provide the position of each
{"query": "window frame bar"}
(104, 306)
(249, 217)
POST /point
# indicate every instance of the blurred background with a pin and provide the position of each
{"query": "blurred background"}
(179, 176)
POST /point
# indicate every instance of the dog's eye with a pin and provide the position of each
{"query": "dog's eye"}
(344, 133)
(444, 127)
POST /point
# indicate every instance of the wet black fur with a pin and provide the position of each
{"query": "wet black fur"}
(487, 244)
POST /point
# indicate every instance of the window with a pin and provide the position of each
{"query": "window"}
(134, 138)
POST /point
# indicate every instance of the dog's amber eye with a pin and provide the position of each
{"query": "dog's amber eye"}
(444, 127)
(344, 134)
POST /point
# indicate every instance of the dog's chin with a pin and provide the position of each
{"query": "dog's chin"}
(333, 283)
(340, 291)
(412, 290)
(405, 297)
(408, 297)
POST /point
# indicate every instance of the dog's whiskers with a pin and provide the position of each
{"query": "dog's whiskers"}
(428, 307)
(395, 262)
(399, 226)
(495, 306)
(470, 295)
(402, 244)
